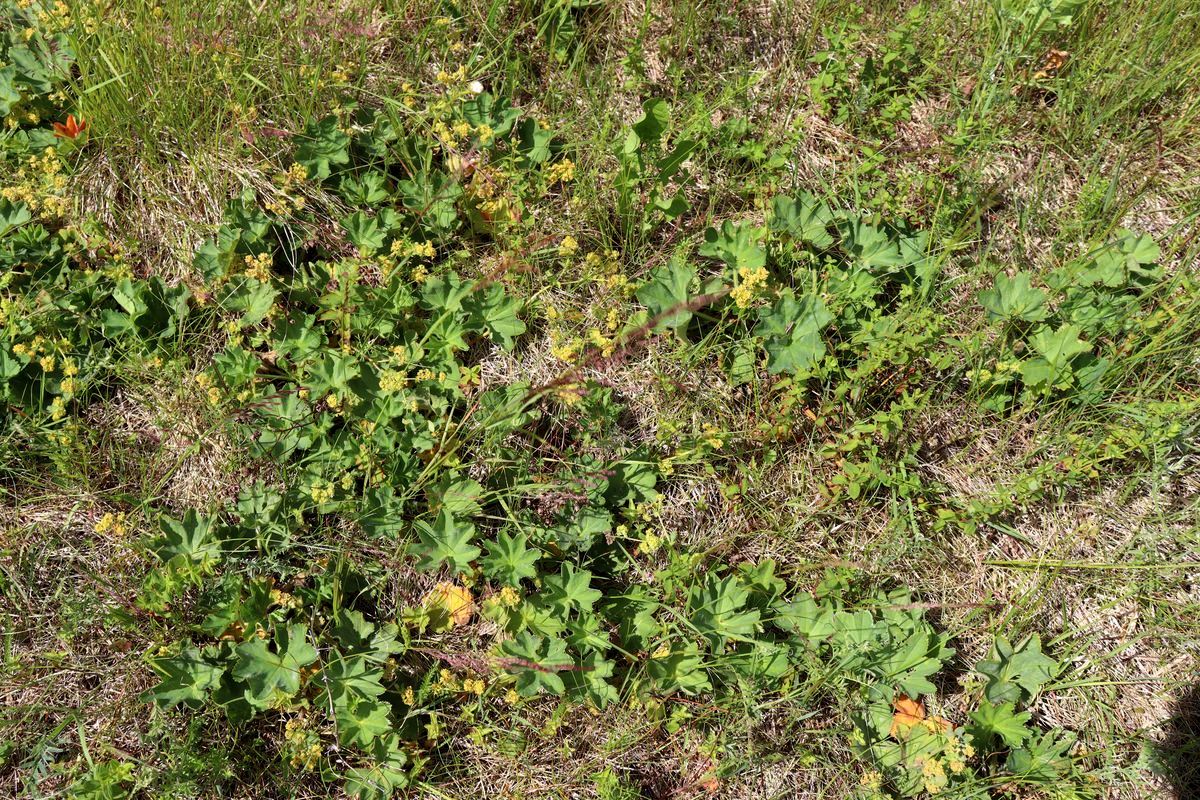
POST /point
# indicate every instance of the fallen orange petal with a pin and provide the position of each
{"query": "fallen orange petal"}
(909, 712)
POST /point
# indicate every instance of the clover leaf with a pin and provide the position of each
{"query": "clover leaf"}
(680, 669)
(382, 774)
(362, 721)
(364, 232)
(570, 588)
(1056, 350)
(736, 245)
(494, 312)
(991, 720)
(719, 613)
(192, 537)
(871, 247)
(349, 678)
(1043, 759)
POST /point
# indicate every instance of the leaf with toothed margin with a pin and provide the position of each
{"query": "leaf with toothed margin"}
(805, 218)
(271, 673)
(446, 540)
(186, 678)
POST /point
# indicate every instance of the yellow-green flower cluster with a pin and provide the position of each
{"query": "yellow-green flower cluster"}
(569, 394)
(50, 357)
(211, 392)
(1001, 372)
(712, 437)
(112, 525)
(258, 267)
(403, 248)
(288, 198)
(491, 191)
(392, 380)
(651, 541)
(751, 283)
(957, 753)
(568, 247)
(40, 185)
(933, 774)
(561, 171)
(564, 349)
(44, 17)
(302, 743)
(605, 270)
(321, 491)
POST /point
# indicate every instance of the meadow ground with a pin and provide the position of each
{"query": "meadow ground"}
(577, 398)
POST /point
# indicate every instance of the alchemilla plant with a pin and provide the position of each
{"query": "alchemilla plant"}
(456, 522)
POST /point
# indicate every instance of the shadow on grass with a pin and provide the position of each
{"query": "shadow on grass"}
(1178, 754)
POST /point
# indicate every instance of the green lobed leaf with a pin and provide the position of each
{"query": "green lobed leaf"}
(445, 541)
(271, 674)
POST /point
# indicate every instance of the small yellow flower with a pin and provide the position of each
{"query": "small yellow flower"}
(321, 492)
(568, 247)
(563, 171)
(565, 351)
(112, 524)
(509, 597)
(284, 599)
(568, 394)
(258, 267)
(392, 381)
(751, 283)
(711, 437)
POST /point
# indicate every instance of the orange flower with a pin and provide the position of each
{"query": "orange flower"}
(71, 129)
